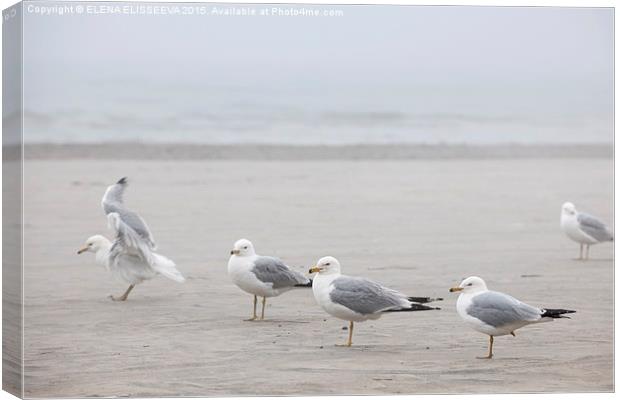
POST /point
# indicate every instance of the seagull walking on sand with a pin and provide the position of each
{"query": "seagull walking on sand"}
(495, 313)
(130, 256)
(129, 268)
(261, 275)
(583, 229)
(358, 299)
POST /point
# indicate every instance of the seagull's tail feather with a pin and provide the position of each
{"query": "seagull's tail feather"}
(308, 284)
(414, 307)
(166, 267)
(555, 313)
(423, 300)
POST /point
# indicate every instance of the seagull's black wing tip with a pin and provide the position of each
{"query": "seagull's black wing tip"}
(308, 285)
(556, 313)
(122, 181)
(423, 300)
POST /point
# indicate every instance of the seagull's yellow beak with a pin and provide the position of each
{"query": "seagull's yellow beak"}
(315, 269)
(234, 251)
(455, 289)
(83, 249)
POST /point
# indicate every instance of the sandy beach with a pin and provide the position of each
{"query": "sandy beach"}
(417, 225)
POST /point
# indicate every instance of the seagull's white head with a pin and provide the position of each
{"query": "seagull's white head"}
(94, 243)
(243, 248)
(569, 209)
(326, 265)
(472, 284)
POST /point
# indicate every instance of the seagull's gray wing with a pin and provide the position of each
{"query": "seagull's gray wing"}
(112, 202)
(274, 271)
(365, 296)
(128, 241)
(594, 227)
(499, 309)
(113, 196)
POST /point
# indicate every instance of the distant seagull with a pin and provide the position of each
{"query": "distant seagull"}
(128, 267)
(583, 229)
(495, 313)
(358, 299)
(131, 255)
(261, 275)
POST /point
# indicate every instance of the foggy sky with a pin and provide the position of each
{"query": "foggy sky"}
(527, 59)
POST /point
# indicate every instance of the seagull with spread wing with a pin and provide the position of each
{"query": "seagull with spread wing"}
(131, 255)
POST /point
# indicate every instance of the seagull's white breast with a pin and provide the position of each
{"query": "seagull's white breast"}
(570, 226)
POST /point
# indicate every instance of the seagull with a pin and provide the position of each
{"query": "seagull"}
(583, 229)
(129, 267)
(358, 299)
(131, 254)
(261, 275)
(495, 313)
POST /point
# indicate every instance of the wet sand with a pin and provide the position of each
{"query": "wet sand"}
(418, 226)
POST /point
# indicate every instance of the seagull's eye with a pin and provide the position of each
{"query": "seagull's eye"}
(245, 247)
(327, 264)
(469, 284)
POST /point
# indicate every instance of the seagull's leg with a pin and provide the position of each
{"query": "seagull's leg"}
(254, 313)
(513, 334)
(580, 251)
(587, 251)
(262, 313)
(350, 341)
(490, 355)
(124, 296)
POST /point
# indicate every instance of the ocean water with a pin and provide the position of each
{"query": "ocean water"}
(223, 114)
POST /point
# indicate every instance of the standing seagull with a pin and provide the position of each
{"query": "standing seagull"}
(583, 229)
(358, 299)
(495, 313)
(260, 275)
(131, 254)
